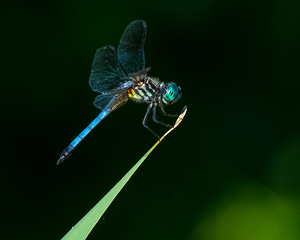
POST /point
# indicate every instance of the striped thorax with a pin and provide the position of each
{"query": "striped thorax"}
(144, 89)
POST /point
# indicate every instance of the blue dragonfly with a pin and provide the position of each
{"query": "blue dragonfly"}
(121, 75)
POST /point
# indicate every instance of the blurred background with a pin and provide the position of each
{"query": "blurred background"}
(230, 171)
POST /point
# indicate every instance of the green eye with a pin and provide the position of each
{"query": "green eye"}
(173, 93)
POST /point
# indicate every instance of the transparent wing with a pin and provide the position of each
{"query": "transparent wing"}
(103, 100)
(118, 100)
(107, 73)
(131, 48)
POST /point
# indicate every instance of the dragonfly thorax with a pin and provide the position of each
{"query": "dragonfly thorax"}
(144, 89)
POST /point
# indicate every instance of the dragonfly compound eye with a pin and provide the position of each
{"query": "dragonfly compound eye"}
(172, 94)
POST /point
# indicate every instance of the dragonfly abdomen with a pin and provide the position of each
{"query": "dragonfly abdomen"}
(69, 149)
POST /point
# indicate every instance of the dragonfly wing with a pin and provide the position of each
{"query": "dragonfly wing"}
(107, 72)
(131, 48)
(118, 100)
(103, 100)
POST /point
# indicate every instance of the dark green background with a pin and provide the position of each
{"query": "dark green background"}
(230, 170)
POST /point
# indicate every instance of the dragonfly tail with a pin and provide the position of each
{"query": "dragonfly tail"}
(70, 149)
(65, 154)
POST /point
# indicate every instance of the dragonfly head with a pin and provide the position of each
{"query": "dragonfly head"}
(171, 94)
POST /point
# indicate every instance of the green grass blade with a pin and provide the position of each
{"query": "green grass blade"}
(82, 229)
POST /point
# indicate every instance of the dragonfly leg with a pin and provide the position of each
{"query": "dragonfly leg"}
(145, 120)
(164, 112)
(155, 120)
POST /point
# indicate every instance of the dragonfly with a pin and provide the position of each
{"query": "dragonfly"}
(120, 75)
